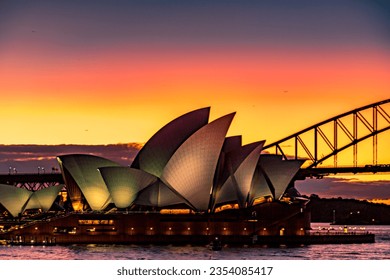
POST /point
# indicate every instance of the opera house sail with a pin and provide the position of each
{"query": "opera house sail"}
(155, 154)
(124, 184)
(17, 200)
(85, 186)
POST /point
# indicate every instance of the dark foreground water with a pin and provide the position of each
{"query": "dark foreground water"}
(380, 250)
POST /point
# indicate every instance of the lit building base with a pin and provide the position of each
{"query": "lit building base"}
(266, 224)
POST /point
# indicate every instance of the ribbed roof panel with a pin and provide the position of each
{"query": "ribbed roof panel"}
(240, 164)
(244, 173)
(191, 169)
(158, 195)
(155, 154)
(232, 143)
(280, 172)
(124, 183)
(14, 199)
(84, 171)
(260, 187)
(47, 196)
(228, 192)
(33, 203)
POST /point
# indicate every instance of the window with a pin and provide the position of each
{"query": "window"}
(96, 222)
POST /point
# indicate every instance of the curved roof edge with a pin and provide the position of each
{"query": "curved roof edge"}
(241, 165)
(14, 199)
(47, 196)
(232, 143)
(236, 157)
(191, 169)
(157, 151)
(244, 173)
(280, 172)
(158, 195)
(260, 187)
(125, 183)
(83, 168)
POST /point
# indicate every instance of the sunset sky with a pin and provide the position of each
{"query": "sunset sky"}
(107, 72)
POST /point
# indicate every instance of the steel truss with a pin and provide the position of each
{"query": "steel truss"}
(32, 182)
(340, 128)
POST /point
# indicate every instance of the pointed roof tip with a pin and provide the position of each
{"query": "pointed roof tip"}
(202, 114)
(231, 116)
(255, 144)
(228, 116)
(234, 137)
(206, 110)
(259, 145)
(302, 161)
(226, 119)
(152, 158)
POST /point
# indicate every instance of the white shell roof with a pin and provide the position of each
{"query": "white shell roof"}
(244, 174)
(158, 195)
(228, 192)
(155, 154)
(84, 171)
(178, 165)
(260, 187)
(191, 169)
(238, 185)
(45, 197)
(124, 183)
(14, 199)
(33, 203)
(232, 143)
(280, 172)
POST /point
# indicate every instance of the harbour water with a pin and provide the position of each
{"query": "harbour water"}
(380, 250)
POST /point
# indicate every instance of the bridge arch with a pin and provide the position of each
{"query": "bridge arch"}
(353, 127)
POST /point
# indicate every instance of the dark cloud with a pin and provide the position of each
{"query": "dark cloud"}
(336, 187)
(27, 158)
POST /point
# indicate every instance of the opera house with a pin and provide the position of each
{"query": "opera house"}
(188, 183)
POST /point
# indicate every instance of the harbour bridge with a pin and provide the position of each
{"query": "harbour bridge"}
(337, 144)
(330, 147)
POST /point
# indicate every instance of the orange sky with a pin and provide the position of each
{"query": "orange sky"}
(120, 97)
(96, 73)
